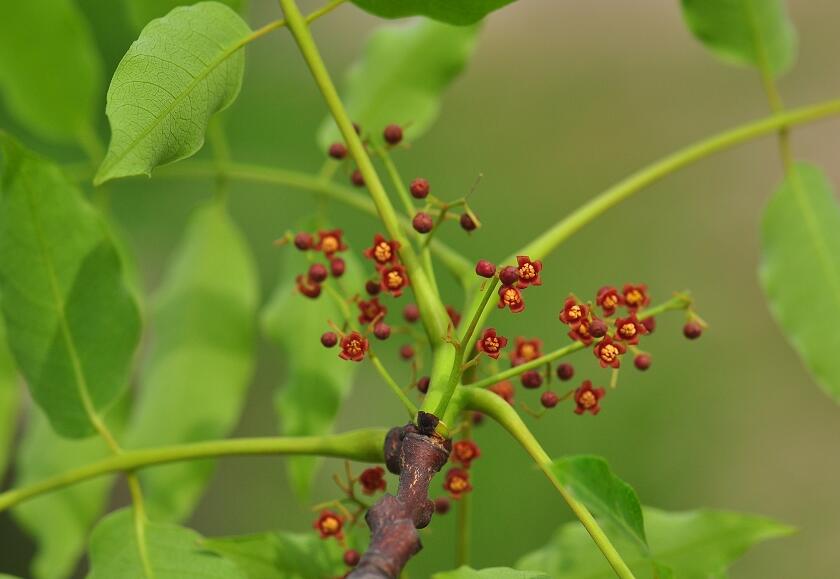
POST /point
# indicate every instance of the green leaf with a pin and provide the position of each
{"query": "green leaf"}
(59, 521)
(316, 380)
(460, 12)
(401, 76)
(50, 71)
(182, 69)
(281, 555)
(746, 32)
(173, 552)
(9, 399)
(72, 323)
(590, 479)
(141, 12)
(202, 357)
(800, 269)
(465, 572)
(690, 545)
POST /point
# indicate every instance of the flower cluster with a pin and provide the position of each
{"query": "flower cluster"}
(514, 279)
(329, 243)
(457, 480)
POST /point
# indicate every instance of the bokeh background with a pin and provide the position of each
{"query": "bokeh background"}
(561, 100)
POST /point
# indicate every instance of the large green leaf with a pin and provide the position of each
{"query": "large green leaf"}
(316, 380)
(173, 552)
(141, 12)
(590, 479)
(800, 269)
(182, 69)
(202, 358)
(690, 545)
(748, 32)
(465, 572)
(72, 323)
(9, 399)
(59, 521)
(50, 71)
(401, 76)
(460, 12)
(281, 555)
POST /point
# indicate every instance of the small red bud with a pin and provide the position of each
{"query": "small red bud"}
(303, 241)
(565, 372)
(532, 379)
(392, 134)
(351, 557)
(382, 331)
(549, 399)
(411, 313)
(467, 222)
(422, 222)
(419, 188)
(485, 269)
(692, 330)
(329, 339)
(598, 328)
(642, 361)
(337, 267)
(407, 352)
(372, 287)
(423, 384)
(317, 272)
(477, 418)
(357, 179)
(509, 275)
(649, 324)
(442, 505)
(337, 151)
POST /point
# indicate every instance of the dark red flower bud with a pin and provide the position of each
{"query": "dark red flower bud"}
(442, 505)
(532, 379)
(527, 271)
(392, 134)
(383, 251)
(337, 267)
(317, 273)
(457, 482)
(525, 351)
(609, 352)
(407, 352)
(490, 343)
(393, 279)
(587, 398)
(598, 328)
(382, 331)
(351, 557)
(464, 452)
(508, 275)
(338, 151)
(329, 525)
(635, 296)
(511, 297)
(467, 222)
(423, 384)
(423, 222)
(649, 324)
(485, 269)
(642, 361)
(504, 390)
(419, 188)
(372, 480)
(565, 372)
(477, 418)
(549, 399)
(454, 316)
(329, 339)
(411, 313)
(303, 241)
(692, 330)
(372, 287)
(609, 299)
(357, 179)
(354, 346)
(307, 287)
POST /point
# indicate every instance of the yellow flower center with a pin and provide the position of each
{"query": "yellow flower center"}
(457, 484)
(611, 301)
(628, 330)
(394, 280)
(587, 399)
(354, 347)
(491, 344)
(527, 271)
(609, 353)
(527, 351)
(382, 252)
(330, 244)
(510, 296)
(330, 525)
(634, 297)
(575, 312)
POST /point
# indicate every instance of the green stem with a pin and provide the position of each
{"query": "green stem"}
(361, 445)
(431, 308)
(500, 411)
(410, 407)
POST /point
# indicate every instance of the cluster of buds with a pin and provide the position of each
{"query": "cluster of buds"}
(513, 280)
(457, 480)
(423, 221)
(329, 243)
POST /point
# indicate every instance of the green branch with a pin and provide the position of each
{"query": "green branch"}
(362, 445)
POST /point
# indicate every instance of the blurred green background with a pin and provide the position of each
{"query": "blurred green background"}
(561, 100)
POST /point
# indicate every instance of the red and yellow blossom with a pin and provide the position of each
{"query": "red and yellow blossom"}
(609, 352)
(574, 313)
(588, 398)
(329, 525)
(372, 480)
(464, 452)
(528, 271)
(511, 297)
(457, 482)
(370, 311)
(609, 299)
(525, 350)
(393, 279)
(491, 343)
(330, 242)
(354, 346)
(383, 251)
(635, 296)
(629, 329)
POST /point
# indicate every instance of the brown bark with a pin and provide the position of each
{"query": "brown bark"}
(416, 456)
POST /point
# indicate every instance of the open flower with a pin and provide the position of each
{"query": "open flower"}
(581, 333)
(635, 296)
(330, 242)
(372, 480)
(629, 329)
(329, 525)
(371, 310)
(354, 346)
(511, 297)
(608, 352)
(383, 251)
(609, 299)
(393, 279)
(491, 343)
(528, 271)
(464, 452)
(457, 482)
(525, 350)
(588, 398)
(574, 313)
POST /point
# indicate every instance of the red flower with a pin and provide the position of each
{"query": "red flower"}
(465, 451)
(511, 297)
(528, 271)
(504, 390)
(453, 315)
(635, 296)
(525, 351)
(308, 287)
(383, 251)
(329, 525)
(370, 311)
(629, 329)
(491, 344)
(581, 333)
(574, 313)
(354, 346)
(608, 352)
(372, 480)
(393, 279)
(609, 299)
(587, 398)
(457, 482)
(330, 242)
